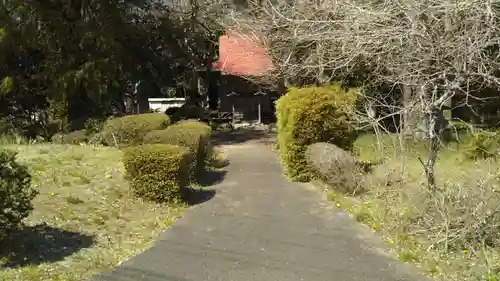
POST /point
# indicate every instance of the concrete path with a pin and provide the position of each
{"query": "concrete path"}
(260, 227)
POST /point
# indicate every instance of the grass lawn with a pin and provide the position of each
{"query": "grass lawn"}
(452, 233)
(85, 220)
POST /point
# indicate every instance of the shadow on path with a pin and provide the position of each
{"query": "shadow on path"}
(198, 196)
(209, 178)
(242, 135)
(219, 163)
(38, 244)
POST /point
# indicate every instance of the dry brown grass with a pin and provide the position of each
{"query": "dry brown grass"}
(85, 219)
(451, 233)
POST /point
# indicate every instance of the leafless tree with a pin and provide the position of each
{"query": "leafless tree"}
(432, 50)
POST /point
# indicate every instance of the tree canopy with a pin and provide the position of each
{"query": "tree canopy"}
(59, 56)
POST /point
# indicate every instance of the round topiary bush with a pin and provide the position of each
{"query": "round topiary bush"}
(193, 135)
(205, 132)
(310, 115)
(130, 130)
(335, 166)
(16, 193)
(157, 172)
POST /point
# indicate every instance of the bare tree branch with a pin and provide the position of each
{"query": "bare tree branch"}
(433, 50)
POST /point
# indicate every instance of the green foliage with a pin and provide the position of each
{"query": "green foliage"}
(309, 115)
(205, 132)
(460, 126)
(6, 127)
(171, 111)
(93, 126)
(193, 135)
(158, 172)
(75, 137)
(16, 193)
(6, 85)
(483, 145)
(491, 277)
(40, 64)
(187, 111)
(130, 130)
(57, 138)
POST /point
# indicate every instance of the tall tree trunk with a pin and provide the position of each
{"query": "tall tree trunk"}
(436, 125)
(407, 112)
(203, 91)
(435, 117)
(414, 120)
(129, 104)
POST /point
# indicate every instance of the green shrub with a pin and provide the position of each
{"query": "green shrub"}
(483, 144)
(187, 111)
(171, 111)
(157, 172)
(93, 126)
(13, 139)
(460, 126)
(205, 132)
(191, 134)
(6, 127)
(75, 137)
(16, 193)
(57, 138)
(309, 115)
(96, 139)
(130, 130)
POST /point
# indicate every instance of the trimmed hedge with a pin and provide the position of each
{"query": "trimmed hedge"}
(310, 115)
(157, 172)
(16, 193)
(130, 130)
(191, 134)
(205, 132)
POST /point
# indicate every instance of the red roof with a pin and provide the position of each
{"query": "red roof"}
(242, 56)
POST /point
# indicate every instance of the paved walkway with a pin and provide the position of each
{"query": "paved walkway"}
(260, 227)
